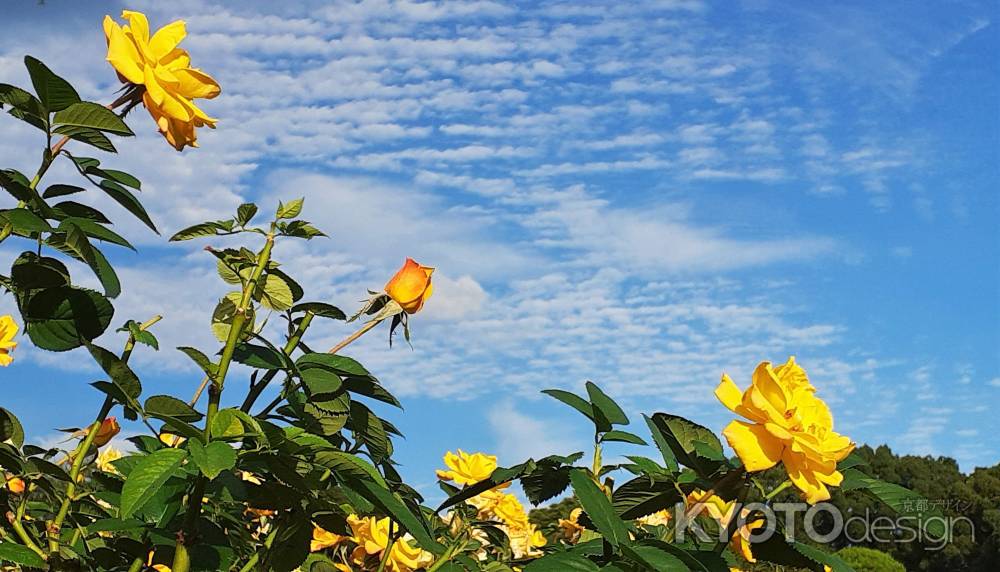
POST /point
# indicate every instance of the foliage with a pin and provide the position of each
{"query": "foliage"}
(869, 560)
(308, 480)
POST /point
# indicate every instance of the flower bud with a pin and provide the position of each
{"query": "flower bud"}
(411, 286)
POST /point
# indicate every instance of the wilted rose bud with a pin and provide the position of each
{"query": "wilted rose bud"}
(15, 485)
(109, 428)
(411, 286)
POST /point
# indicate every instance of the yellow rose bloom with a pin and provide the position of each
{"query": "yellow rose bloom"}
(740, 543)
(15, 485)
(716, 508)
(510, 511)
(323, 539)
(466, 469)
(659, 518)
(525, 540)
(372, 536)
(164, 71)
(106, 457)
(787, 423)
(570, 527)
(8, 330)
(411, 286)
(171, 440)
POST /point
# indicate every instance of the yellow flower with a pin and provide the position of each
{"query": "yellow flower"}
(372, 536)
(171, 440)
(164, 71)
(787, 423)
(8, 329)
(466, 469)
(106, 457)
(15, 485)
(107, 431)
(525, 540)
(156, 567)
(510, 511)
(716, 508)
(323, 539)
(740, 543)
(659, 518)
(570, 527)
(411, 286)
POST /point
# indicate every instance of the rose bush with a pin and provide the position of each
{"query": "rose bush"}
(307, 481)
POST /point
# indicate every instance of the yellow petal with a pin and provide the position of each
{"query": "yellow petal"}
(757, 448)
(729, 393)
(123, 55)
(765, 381)
(166, 39)
(138, 25)
(196, 83)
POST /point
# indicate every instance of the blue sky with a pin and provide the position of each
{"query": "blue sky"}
(644, 195)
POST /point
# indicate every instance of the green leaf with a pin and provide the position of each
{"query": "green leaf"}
(578, 403)
(623, 437)
(259, 357)
(599, 509)
(54, 92)
(146, 477)
(368, 429)
(682, 436)
(125, 198)
(10, 428)
(337, 363)
(245, 213)
(905, 502)
(24, 106)
(201, 359)
(213, 458)
(59, 190)
(645, 495)
(16, 554)
(119, 371)
(348, 466)
(777, 550)
(74, 209)
(669, 459)
(561, 562)
(655, 558)
(320, 309)
(62, 318)
(91, 137)
(291, 544)
(172, 407)
(604, 406)
(91, 115)
(24, 221)
(275, 293)
(119, 177)
(290, 210)
(225, 311)
(31, 272)
(94, 230)
(74, 242)
(210, 228)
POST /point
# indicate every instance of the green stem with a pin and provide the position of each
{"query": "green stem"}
(778, 489)
(182, 561)
(137, 564)
(83, 449)
(293, 342)
(343, 344)
(447, 556)
(15, 523)
(268, 542)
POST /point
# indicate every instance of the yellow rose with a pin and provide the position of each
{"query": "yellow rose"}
(171, 440)
(659, 518)
(466, 469)
(525, 540)
(106, 457)
(8, 329)
(323, 539)
(107, 431)
(716, 508)
(169, 83)
(510, 511)
(740, 543)
(787, 423)
(411, 286)
(372, 536)
(570, 527)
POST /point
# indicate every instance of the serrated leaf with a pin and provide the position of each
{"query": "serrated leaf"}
(561, 562)
(149, 473)
(578, 403)
(212, 458)
(54, 92)
(605, 406)
(17, 554)
(201, 359)
(210, 228)
(172, 407)
(275, 293)
(62, 318)
(126, 199)
(119, 371)
(599, 509)
(622, 437)
(291, 209)
(245, 213)
(91, 137)
(91, 115)
(320, 309)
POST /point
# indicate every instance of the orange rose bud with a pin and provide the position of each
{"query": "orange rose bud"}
(15, 485)
(411, 286)
(109, 428)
